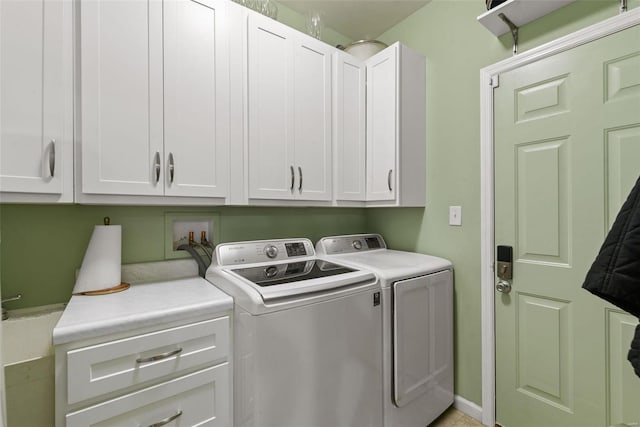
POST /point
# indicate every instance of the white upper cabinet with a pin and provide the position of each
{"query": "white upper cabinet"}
(196, 98)
(349, 127)
(289, 113)
(396, 141)
(36, 101)
(154, 98)
(382, 107)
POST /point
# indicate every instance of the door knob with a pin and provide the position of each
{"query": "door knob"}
(503, 286)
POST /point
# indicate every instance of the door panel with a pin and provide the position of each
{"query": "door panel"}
(349, 128)
(382, 127)
(196, 100)
(270, 96)
(421, 336)
(566, 155)
(121, 59)
(35, 83)
(624, 386)
(312, 118)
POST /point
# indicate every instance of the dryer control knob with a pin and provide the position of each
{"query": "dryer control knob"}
(357, 244)
(271, 251)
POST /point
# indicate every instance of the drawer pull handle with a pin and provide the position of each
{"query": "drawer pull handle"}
(159, 356)
(166, 420)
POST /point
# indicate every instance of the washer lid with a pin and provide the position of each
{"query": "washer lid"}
(309, 279)
(277, 274)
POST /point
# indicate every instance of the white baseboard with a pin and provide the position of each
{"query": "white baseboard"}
(468, 407)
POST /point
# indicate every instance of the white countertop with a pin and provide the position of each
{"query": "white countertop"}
(140, 306)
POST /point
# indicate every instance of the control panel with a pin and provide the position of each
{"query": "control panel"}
(261, 251)
(348, 244)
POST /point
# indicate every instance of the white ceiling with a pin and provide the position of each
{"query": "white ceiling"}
(358, 19)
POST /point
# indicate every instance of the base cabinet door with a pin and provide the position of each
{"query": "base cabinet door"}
(36, 101)
(199, 399)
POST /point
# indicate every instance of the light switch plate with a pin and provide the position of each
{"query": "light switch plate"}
(455, 215)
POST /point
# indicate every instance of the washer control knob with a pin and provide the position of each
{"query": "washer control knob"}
(271, 251)
(357, 244)
(271, 271)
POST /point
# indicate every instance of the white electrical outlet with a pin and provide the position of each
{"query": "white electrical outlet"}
(455, 215)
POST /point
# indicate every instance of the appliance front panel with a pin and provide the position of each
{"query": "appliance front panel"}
(422, 335)
(317, 365)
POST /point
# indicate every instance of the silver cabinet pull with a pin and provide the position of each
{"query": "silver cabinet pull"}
(156, 165)
(293, 177)
(159, 356)
(389, 179)
(52, 157)
(166, 420)
(171, 168)
(300, 185)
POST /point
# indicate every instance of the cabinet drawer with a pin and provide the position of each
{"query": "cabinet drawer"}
(201, 398)
(104, 368)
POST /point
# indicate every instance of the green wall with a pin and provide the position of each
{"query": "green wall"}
(43, 245)
(457, 47)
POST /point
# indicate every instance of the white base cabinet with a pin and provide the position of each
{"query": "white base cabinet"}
(147, 377)
(36, 101)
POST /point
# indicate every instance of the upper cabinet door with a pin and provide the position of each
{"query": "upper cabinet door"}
(312, 118)
(121, 97)
(271, 166)
(36, 90)
(382, 129)
(349, 128)
(196, 98)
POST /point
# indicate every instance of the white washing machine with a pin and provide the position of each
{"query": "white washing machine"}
(307, 336)
(417, 305)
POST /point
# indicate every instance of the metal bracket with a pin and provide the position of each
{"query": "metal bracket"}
(514, 30)
(623, 6)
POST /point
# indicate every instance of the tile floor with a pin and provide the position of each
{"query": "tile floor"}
(454, 418)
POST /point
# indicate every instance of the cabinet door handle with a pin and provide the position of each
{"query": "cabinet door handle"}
(166, 420)
(171, 168)
(389, 179)
(158, 356)
(293, 177)
(52, 157)
(156, 165)
(300, 185)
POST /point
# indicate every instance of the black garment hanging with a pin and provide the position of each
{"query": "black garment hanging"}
(615, 273)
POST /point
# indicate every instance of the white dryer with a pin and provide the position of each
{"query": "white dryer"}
(417, 307)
